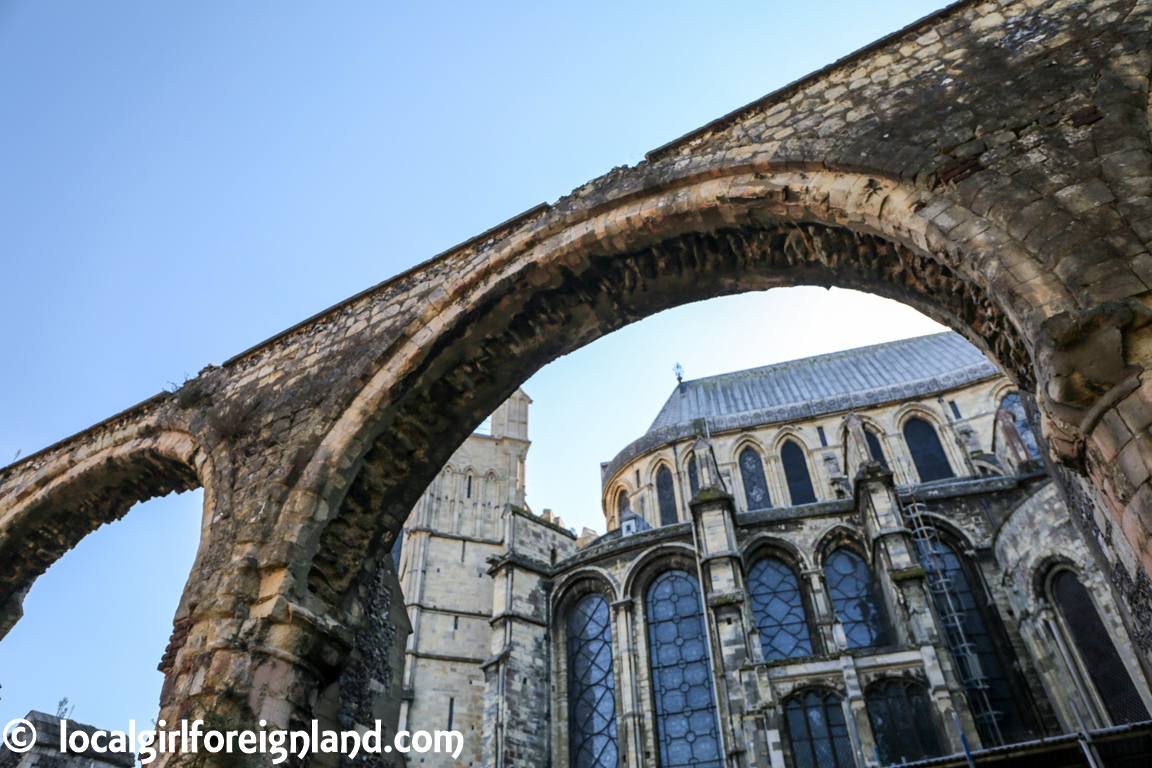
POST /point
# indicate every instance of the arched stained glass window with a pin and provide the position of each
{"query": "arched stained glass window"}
(779, 610)
(621, 502)
(796, 473)
(818, 732)
(854, 599)
(1103, 663)
(874, 448)
(927, 452)
(1015, 406)
(901, 718)
(693, 476)
(591, 691)
(686, 724)
(956, 591)
(755, 484)
(666, 497)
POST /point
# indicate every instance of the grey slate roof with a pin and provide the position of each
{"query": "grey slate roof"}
(944, 357)
(800, 389)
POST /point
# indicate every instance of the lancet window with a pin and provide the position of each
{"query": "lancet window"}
(755, 483)
(778, 608)
(796, 473)
(591, 689)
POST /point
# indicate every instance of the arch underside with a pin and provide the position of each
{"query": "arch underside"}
(39, 534)
(501, 342)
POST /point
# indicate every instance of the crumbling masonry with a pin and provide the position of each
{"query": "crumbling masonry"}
(989, 166)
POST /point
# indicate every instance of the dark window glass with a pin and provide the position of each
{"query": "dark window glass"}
(854, 599)
(591, 691)
(755, 484)
(902, 722)
(779, 610)
(796, 473)
(823, 437)
(621, 502)
(686, 725)
(666, 497)
(927, 453)
(1013, 405)
(952, 593)
(874, 448)
(817, 731)
(955, 409)
(693, 476)
(1096, 649)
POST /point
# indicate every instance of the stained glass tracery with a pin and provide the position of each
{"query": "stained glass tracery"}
(755, 483)
(818, 732)
(686, 725)
(854, 599)
(901, 719)
(778, 608)
(591, 689)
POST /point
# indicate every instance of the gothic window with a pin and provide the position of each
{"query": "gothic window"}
(1099, 655)
(755, 484)
(779, 610)
(621, 502)
(854, 599)
(874, 448)
(693, 476)
(796, 473)
(686, 724)
(952, 592)
(666, 497)
(591, 692)
(927, 452)
(818, 732)
(1014, 407)
(901, 718)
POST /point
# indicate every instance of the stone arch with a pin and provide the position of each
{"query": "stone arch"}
(765, 543)
(836, 536)
(652, 563)
(956, 460)
(67, 500)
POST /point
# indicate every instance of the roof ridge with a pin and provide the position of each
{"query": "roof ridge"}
(824, 356)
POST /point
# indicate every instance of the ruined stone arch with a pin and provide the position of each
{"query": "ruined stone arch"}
(65, 501)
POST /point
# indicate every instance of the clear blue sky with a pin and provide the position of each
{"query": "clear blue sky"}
(179, 181)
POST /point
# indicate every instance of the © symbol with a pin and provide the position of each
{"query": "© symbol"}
(19, 735)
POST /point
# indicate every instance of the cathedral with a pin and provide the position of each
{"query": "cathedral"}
(857, 559)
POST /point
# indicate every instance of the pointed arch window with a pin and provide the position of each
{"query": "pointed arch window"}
(927, 452)
(666, 497)
(818, 731)
(901, 717)
(854, 599)
(953, 594)
(621, 502)
(687, 730)
(755, 483)
(693, 476)
(796, 473)
(1103, 664)
(591, 689)
(874, 448)
(778, 608)
(1013, 407)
